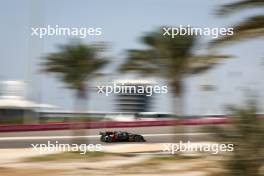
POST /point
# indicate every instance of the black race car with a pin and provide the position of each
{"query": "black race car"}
(120, 136)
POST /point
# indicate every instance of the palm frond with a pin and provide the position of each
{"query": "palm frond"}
(240, 5)
(74, 64)
(201, 64)
(141, 61)
(168, 57)
(251, 28)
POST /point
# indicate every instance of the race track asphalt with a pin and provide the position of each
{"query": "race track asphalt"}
(151, 134)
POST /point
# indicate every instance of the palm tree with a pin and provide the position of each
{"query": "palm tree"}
(252, 27)
(169, 58)
(75, 64)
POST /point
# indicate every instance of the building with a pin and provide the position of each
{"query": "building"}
(132, 100)
(14, 107)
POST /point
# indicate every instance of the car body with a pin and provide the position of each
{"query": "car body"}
(120, 136)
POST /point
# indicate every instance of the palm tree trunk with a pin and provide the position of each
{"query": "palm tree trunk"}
(178, 106)
(78, 128)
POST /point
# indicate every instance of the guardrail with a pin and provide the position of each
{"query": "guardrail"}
(110, 124)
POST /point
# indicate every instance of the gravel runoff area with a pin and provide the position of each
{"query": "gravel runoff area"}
(144, 159)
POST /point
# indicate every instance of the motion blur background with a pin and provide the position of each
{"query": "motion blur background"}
(215, 85)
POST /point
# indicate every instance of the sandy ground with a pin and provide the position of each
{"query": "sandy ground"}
(13, 163)
(107, 166)
(9, 155)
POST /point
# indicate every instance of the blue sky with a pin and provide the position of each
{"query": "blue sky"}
(123, 22)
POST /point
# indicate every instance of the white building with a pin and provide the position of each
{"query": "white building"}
(14, 107)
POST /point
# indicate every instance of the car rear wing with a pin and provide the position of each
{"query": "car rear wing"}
(106, 133)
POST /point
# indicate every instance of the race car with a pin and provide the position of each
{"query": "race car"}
(120, 136)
